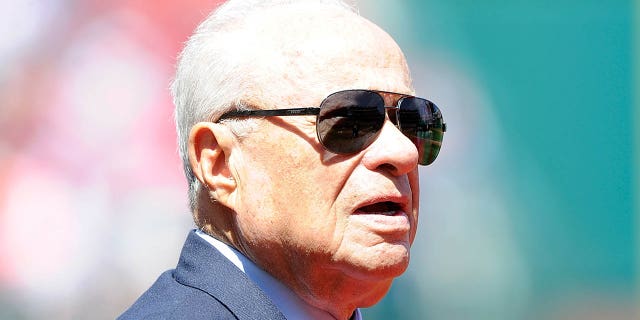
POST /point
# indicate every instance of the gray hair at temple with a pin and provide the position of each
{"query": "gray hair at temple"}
(215, 74)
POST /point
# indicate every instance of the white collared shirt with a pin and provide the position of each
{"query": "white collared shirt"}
(291, 306)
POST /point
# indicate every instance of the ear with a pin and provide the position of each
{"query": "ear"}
(210, 145)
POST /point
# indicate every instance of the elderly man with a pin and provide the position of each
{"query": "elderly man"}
(301, 139)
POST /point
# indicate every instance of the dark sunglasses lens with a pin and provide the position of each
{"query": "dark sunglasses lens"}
(349, 121)
(421, 121)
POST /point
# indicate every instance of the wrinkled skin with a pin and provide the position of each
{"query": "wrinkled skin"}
(296, 209)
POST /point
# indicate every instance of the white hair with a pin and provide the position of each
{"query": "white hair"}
(213, 78)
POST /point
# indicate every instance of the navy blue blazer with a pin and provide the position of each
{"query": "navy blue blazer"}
(204, 285)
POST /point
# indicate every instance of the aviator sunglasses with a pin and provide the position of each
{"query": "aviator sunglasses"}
(349, 121)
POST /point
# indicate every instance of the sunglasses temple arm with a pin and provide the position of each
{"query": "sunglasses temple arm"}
(276, 112)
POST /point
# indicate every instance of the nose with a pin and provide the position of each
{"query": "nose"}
(391, 151)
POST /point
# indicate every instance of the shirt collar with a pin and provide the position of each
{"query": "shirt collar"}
(291, 306)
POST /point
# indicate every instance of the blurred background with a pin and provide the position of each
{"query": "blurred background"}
(530, 212)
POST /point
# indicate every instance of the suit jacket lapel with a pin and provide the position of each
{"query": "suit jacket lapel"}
(202, 266)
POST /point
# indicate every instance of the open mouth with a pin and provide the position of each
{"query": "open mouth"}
(386, 208)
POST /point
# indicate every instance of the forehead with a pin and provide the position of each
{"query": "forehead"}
(302, 53)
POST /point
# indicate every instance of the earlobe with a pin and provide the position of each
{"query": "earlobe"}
(210, 147)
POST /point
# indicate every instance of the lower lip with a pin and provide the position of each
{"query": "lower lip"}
(383, 223)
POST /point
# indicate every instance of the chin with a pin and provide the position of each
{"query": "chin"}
(386, 261)
(392, 268)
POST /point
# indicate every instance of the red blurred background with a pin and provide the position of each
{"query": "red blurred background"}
(87, 147)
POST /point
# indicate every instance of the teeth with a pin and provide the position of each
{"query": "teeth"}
(386, 208)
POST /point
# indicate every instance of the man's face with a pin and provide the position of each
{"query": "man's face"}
(313, 218)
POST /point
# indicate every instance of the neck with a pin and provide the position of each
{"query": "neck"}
(333, 291)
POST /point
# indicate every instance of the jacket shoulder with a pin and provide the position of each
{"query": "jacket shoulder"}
(169, 299)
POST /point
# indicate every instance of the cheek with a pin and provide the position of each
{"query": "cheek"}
(414, 183)
(287, 187)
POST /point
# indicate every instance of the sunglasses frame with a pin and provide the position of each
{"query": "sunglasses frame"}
(392, 101)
